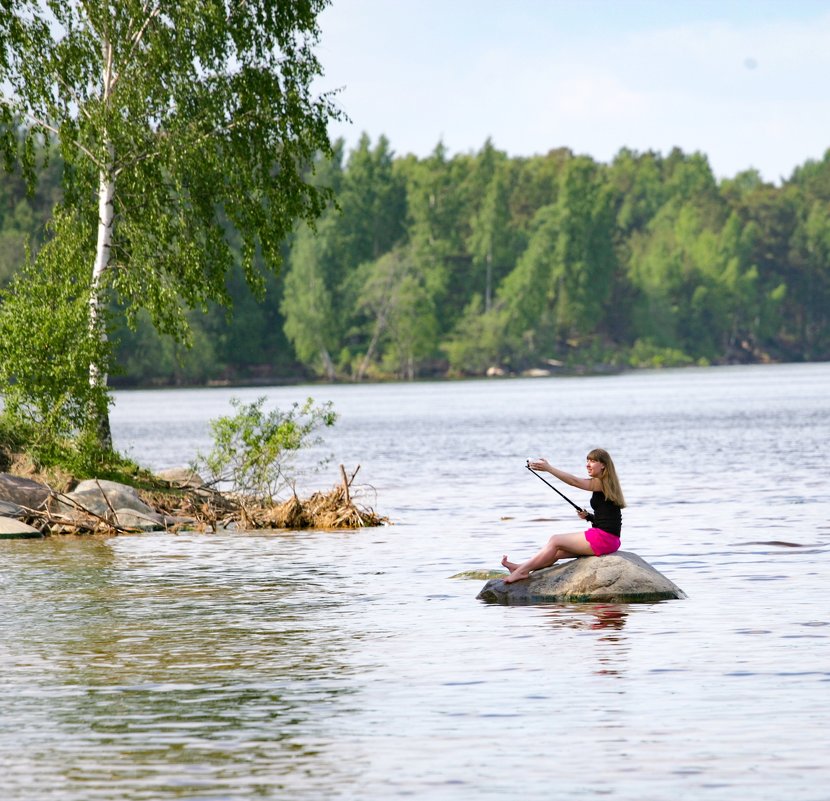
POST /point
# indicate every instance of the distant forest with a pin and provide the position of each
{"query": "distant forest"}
(480, 262)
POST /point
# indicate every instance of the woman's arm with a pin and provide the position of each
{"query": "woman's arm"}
(587, 484)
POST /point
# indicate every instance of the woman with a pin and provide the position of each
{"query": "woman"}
(606, 500)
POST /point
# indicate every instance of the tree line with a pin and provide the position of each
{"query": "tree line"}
(477, 262)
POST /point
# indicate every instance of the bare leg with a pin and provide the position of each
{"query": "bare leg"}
(560, 546)
(511, 566)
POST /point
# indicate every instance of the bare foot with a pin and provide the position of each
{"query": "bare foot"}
(511, 566)
(516, 576)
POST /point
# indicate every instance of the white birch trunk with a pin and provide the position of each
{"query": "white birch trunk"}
(106, 194)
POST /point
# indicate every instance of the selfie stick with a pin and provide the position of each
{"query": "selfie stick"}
(578, 508)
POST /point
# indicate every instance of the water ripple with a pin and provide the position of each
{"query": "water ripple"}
(349, 666)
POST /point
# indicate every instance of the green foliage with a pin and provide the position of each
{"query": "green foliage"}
(646, 354)
(400, 313)
(147, 357)
(195, 125)
(23, 214)
(461, 263)
(323, 304)
(253, 450)
(46, 347)
(492, 241)
(308, 303)
(478, 340)
(46, 342)
(79, 456)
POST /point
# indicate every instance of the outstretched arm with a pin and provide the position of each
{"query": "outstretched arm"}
(587, 484)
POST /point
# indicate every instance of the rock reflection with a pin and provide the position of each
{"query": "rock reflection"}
(594, 616)
(607, 619)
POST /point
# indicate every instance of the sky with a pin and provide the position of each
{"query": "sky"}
(745, 82)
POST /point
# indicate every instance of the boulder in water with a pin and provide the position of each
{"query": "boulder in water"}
(620, 577)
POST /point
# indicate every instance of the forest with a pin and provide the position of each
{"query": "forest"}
(484, 263)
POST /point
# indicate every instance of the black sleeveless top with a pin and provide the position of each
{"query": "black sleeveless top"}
(607, 515)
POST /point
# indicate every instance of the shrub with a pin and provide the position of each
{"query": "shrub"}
(253, 449)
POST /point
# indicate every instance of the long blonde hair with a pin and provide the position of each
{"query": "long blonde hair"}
(610, 482)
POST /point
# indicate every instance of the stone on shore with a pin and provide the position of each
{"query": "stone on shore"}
(11, 529)
(105, 486)
(9, 509)
(621, 577)
(182, 477)
(23, 491)
(140, 521)
(149, 521)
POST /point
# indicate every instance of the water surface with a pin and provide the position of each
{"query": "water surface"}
(348, 665)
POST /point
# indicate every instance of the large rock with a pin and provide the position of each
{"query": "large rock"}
(103, 485)
(99, 500)
(23, 491)
(11, 529)
(615, 578)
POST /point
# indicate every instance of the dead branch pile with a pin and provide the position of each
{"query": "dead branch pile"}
(328, 510)
(335, 509)
(213, 510)
(82, 521)
(210, 508)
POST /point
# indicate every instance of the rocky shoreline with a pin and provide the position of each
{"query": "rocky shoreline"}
(175, 500)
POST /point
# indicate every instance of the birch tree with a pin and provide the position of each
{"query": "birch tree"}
(183, 126)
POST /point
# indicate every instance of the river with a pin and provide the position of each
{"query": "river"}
(350, 665)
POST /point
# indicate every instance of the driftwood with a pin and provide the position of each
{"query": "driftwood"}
(92, 523)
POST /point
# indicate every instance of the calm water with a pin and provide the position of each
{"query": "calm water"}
(350, 666)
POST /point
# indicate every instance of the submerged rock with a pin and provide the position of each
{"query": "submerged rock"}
(480, 575)
(141, 521)
(615, 578)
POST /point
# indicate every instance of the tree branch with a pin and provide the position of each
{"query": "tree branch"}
(136, 40)
(74, 96)
(52, 129)
(203, 137)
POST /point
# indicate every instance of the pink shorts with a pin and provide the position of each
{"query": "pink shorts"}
(602, 542)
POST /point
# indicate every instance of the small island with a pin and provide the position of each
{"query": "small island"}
(170, 500)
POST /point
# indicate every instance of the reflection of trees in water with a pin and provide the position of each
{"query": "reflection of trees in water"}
(609, 619)
(172, 673)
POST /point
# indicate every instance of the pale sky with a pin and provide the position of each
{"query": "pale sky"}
(746, 82)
